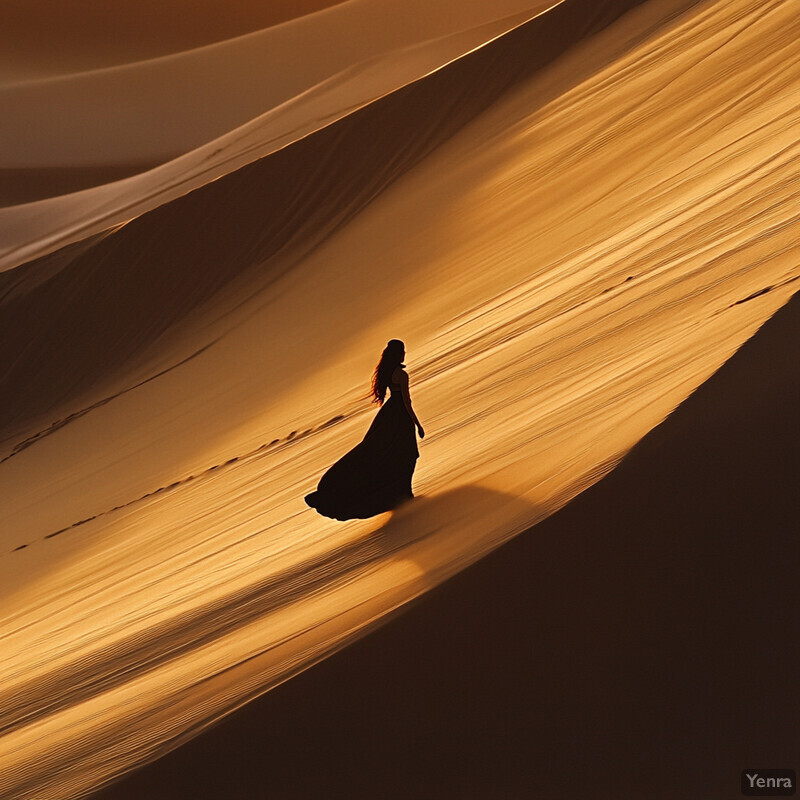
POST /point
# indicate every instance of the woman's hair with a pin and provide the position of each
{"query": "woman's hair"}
(391, 358)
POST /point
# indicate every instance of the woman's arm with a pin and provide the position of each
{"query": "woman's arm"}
(402, 377)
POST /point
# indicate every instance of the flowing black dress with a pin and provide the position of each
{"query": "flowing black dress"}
(375, 476)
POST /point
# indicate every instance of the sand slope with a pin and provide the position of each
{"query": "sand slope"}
(566, 265)
(160, 108)
(68, 36)
(209, 111)
(635, 644)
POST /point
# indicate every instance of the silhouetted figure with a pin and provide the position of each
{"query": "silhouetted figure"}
(375, 476)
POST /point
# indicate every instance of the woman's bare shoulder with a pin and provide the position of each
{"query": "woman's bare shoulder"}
(399, 375)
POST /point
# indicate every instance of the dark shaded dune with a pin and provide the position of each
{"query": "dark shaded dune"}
(82, 325)
(640, 643)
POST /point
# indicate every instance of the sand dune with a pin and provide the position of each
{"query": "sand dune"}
(253, 96)
(264, 217)
(569, 246)
(69, 36)
(160, 108)
(634, 609)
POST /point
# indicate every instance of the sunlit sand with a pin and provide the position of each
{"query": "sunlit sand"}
(187, 349)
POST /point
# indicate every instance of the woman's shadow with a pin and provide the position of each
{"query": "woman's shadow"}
(443, 533)
(438, 535)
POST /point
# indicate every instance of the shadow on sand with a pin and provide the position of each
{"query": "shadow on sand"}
(440, 535)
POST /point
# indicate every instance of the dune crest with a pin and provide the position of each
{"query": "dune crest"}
(70, 36)
(160, 108)
(259, 93)
(567, 258)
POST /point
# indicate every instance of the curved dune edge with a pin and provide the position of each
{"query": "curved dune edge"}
(564, 275)
(149, 275)
(34, 229)
(163, 107)
(74, 36)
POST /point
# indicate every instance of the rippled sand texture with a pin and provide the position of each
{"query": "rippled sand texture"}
(571, 228)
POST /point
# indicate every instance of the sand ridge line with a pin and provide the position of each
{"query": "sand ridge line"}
(507, 76)
(275, 445)
(84, 36)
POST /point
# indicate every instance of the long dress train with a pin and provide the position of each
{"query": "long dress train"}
(375, 476)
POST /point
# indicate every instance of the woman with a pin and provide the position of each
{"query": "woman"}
(375, 476)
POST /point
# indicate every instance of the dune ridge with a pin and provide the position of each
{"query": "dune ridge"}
(161, 108)
(567, 261)
(294, 200)
(72, 36)
(234, 121)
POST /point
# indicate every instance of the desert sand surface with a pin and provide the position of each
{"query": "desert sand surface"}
(162, 107)
(635, 644)
(59, 37)
(572, 214)
(202, 113)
